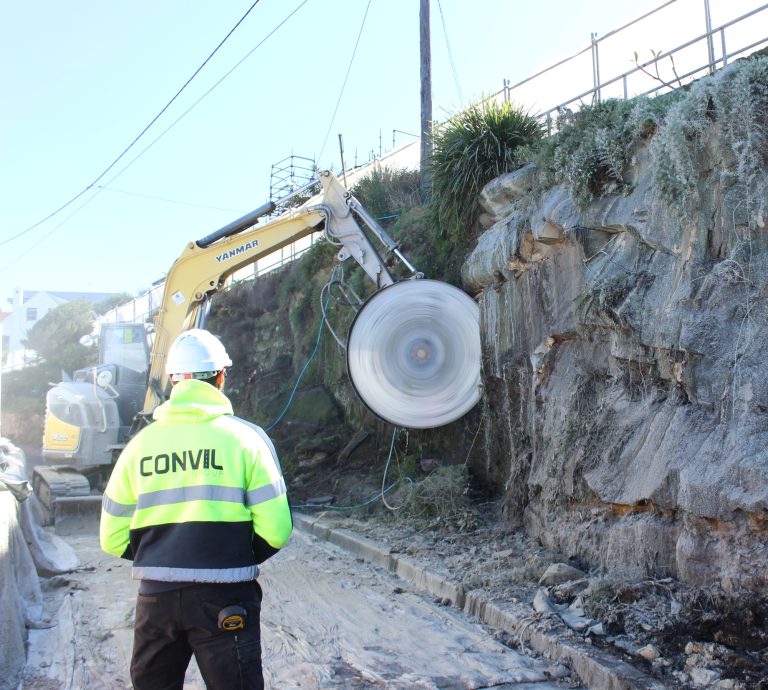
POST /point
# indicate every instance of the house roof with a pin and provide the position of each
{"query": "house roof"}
(68, 296)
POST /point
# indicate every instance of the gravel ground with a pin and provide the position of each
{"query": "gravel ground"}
(329, 620)
(684, 637)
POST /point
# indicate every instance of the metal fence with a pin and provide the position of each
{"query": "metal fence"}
(740, 29)
(595, 72)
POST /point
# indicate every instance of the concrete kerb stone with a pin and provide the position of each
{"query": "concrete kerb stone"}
(429, 582)
(359, 546)
(595, 668)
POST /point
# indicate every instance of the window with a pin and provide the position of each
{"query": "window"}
(31, 313)
(125, 345)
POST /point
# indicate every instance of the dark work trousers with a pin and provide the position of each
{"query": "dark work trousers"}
(171, 626)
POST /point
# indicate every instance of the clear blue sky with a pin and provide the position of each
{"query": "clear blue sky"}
(80, 80)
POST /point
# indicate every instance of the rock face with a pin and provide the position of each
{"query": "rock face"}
(626, 374)
(624, 417)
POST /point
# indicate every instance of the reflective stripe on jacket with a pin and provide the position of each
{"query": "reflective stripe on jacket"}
(197, 496)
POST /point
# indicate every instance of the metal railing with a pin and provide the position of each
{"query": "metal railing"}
(698, 54)
(665, 71)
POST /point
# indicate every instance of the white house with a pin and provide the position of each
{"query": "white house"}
(4, 340)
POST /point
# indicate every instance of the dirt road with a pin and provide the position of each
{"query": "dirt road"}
(328, 621)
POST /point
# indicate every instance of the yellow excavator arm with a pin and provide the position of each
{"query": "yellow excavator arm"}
(413, 349)
(204, 265)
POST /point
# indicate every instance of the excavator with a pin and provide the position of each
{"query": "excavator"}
(413, 349)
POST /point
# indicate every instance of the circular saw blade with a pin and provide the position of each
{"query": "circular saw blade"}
(413, 353)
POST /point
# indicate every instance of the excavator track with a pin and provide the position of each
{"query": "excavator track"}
(64, 496)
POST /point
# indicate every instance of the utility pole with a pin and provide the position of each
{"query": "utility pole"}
(343, 166)
(426, 98)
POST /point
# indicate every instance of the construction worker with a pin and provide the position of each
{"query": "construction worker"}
(197, 500)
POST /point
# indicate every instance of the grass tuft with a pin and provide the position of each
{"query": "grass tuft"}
(471, 149)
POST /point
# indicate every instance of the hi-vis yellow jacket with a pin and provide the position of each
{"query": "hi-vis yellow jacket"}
(197, 496)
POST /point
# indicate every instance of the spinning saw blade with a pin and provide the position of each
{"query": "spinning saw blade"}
(413, 353)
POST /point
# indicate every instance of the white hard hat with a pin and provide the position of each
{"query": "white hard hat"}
(196, 354)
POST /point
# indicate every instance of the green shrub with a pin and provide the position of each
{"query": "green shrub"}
(415, 232)
(440, 494)
(471, 149)
(590, 152)
(729, 111)
(388, 192)
(56, 337)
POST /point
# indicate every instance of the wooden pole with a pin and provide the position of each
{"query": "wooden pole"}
(343, 166)
(426, 98)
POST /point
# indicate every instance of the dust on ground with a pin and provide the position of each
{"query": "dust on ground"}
(684, 637)
(329, 620)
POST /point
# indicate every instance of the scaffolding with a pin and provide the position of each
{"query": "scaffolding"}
(289, 174)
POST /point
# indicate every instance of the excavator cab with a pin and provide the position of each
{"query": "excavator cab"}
(124, 359)
(87, 418)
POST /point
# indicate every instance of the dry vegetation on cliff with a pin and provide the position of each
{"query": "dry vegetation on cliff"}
(622, 430)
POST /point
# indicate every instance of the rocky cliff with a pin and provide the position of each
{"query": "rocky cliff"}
(624, 420)
(625, 370)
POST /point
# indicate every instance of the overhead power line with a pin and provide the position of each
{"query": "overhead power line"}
(450, 55)
(346, 77)
(167, 201)
(47, 234)
(141, 134)
(205, 95)
(100, 188)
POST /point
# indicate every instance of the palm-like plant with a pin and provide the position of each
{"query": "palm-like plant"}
(470, 149)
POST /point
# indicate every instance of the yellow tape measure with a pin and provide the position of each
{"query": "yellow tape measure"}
(232, 618)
